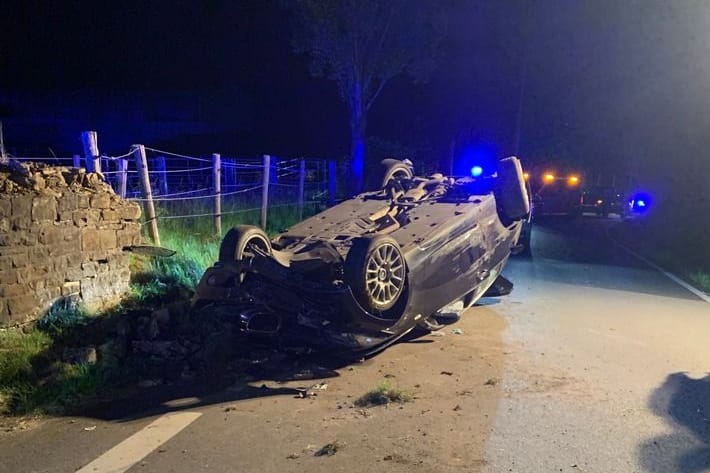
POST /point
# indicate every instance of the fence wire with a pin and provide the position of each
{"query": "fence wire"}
(183, 187)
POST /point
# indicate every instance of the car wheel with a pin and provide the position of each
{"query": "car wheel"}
(241, 241)
(511, 194)
(376, 272)
(390, 169)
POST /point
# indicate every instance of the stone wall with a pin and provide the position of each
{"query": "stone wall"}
(62, 235)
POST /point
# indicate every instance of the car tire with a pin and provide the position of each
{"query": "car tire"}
(525, 239)
(238, 240)
(511, 193)
(376, 272)
(389, 169)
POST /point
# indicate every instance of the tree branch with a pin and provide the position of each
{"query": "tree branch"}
(378, 50)
(383, 81)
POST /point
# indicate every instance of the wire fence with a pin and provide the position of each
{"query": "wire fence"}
(200, 191)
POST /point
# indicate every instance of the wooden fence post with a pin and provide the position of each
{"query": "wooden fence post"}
(142, 166)
(265, 191)
(91, 151)
(77, 161)
(122, 177)
(301, 185)
(331, 182)
(217, 179)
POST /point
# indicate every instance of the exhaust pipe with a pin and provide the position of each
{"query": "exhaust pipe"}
(259, 321)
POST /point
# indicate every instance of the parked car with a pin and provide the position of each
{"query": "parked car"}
(364, 273)
(603, 201)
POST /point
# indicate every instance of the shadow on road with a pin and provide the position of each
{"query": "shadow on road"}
(684, 403)
(255, 372)
(263, 374)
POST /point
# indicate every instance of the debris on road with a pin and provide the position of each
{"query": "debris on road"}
(329, 449)
(491, 382)
(448, 317)
(447, 373)
(90, 429)
(457, 331)
(312, 391)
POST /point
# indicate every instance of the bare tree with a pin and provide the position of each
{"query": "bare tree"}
(362, 45)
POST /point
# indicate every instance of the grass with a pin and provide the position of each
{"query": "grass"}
(202, 228)
(196, 243)
(385, 393)
(69, 385)
(17, 350)
(156, 279)
(62, 316)
(32, 376)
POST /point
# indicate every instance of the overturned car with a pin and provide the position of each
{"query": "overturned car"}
(364, 273)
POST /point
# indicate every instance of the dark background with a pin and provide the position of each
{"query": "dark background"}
(608, 86)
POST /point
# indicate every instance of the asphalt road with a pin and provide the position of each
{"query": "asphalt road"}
(609, 361)
(595, 363)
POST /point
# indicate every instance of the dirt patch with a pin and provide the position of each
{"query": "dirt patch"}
(17, 424)
(444, 428)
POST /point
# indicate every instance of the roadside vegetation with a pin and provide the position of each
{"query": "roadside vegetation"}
(673, 243)
(385, 393)
(41, 372)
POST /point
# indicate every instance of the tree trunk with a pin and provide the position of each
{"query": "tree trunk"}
(357, 155)
(357, 138)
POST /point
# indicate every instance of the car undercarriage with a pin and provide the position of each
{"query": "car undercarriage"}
(366, 272)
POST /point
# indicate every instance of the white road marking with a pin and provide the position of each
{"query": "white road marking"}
(139, 445)
(670, 276)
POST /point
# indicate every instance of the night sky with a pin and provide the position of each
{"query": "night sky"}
(607, 84)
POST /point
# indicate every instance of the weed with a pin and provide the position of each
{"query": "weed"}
(383, 394)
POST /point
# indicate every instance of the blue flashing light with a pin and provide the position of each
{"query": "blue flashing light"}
(640, 203)
(476, 171)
